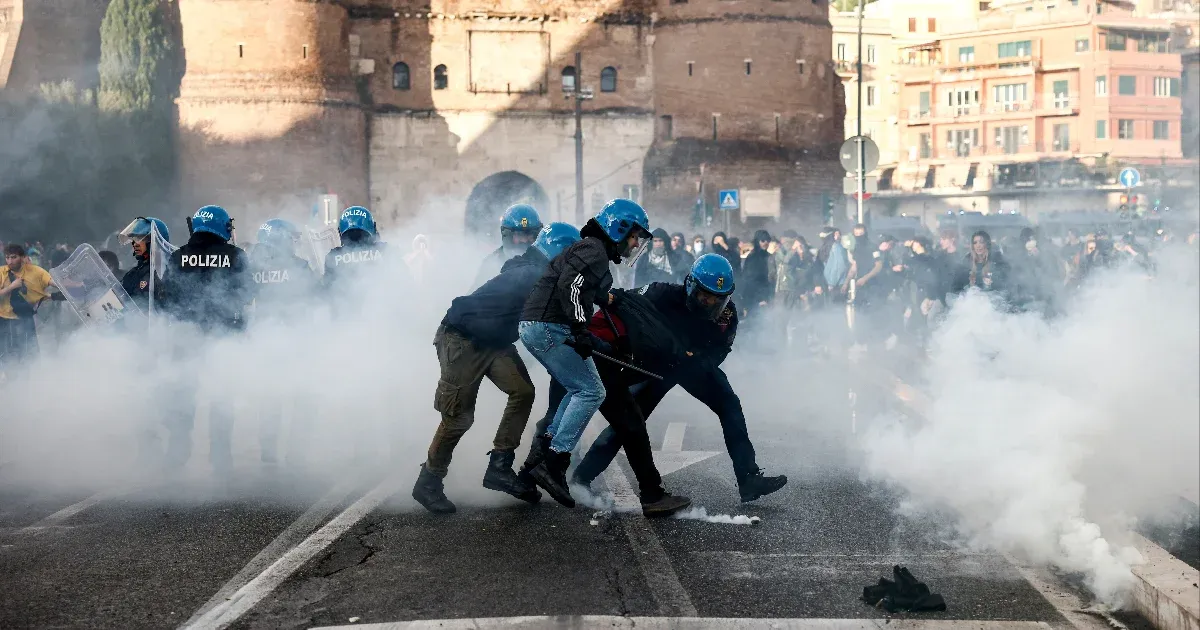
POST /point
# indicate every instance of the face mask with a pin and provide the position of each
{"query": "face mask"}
(697, 247)
(1030, 245)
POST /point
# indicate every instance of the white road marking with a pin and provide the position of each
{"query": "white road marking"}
(672, 599)
(285, 541)
(673, 439)
(246, 597)
(694, 623)
(61, 516)
(672, 457)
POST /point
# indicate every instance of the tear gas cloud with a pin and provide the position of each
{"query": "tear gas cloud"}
(1048, 439)
(359, 362)
(1043, 438)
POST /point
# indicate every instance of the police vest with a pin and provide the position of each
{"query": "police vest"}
(272, 276)
(205, 260)
(356, 256)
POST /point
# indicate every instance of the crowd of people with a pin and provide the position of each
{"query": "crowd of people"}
(897, 285)
(616, 313)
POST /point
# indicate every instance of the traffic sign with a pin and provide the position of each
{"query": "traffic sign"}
(854, 196)
(729, 199)
(1130, 177)
(849, 154)
(870, 185)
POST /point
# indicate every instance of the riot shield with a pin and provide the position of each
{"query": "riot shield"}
(160, 254)
(92, 290)
(317, 243)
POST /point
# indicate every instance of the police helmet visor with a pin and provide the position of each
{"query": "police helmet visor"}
(635, 251)
(138, 230)
(706, 303)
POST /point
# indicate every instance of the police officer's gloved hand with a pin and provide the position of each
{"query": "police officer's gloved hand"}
(583, 346)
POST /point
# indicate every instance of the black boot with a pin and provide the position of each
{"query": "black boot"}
(757, 485)
(662, 504)
(551, 476)
(429, 492)
(500, 476)
(537, 452)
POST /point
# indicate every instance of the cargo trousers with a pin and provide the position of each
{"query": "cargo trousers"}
(463, 367)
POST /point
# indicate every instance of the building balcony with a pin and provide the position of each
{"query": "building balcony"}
(849, 69)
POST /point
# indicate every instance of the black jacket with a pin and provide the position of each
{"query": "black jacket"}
(754, 283)
(489, 315)
(207, 282)
(992, 276)
(492, 265)
(350, 260)
(284, 282)
(574, 281)
(708, 341)
(136, 283)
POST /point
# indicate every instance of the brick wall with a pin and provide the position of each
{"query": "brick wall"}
(424, 165)
(494, 64)
(674, 173)
(268, 111)
(59, 40)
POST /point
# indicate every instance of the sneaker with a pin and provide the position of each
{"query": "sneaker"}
(759, 485)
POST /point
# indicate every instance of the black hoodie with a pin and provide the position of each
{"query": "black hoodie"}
(488, 316)
(754, 283)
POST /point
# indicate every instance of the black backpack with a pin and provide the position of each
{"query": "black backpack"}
(655, 346)
(20, 306)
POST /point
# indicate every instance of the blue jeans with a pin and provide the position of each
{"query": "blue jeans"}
(585, 392)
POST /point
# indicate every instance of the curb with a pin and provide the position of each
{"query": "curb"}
(1165, 591)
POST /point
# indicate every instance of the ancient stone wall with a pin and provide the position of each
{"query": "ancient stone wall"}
(49, 41)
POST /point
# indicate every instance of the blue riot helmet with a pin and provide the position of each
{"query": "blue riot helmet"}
(139, 229)
(622, 218)
(709, 286)
(356, 224)
(279, 234)
(556, 237)
(137, 234)
(212, 220)
(519, 226)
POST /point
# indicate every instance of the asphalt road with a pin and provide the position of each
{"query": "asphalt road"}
(271, 552)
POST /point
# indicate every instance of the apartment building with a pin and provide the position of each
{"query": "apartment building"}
(1038, 107)
(888, 27)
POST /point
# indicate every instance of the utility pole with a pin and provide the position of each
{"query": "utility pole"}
(862, 154)
(578, 138)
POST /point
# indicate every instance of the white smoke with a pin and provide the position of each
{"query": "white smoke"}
(362, 366)
(701, 514)
(1047, 439)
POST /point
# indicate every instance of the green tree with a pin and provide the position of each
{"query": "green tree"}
(848, 5)
(139, 58)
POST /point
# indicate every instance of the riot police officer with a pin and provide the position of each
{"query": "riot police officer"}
(704, 317)
(207, 284)
(283, 281)
(136, 281)
(360, 248)
(519, 227)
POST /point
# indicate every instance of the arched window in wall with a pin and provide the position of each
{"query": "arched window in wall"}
(608, 79)
(400, 76)
(568, 79)
(440, 79)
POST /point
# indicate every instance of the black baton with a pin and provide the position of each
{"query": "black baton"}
(618, 362)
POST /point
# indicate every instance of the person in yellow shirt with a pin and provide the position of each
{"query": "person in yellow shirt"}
(23, 286)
